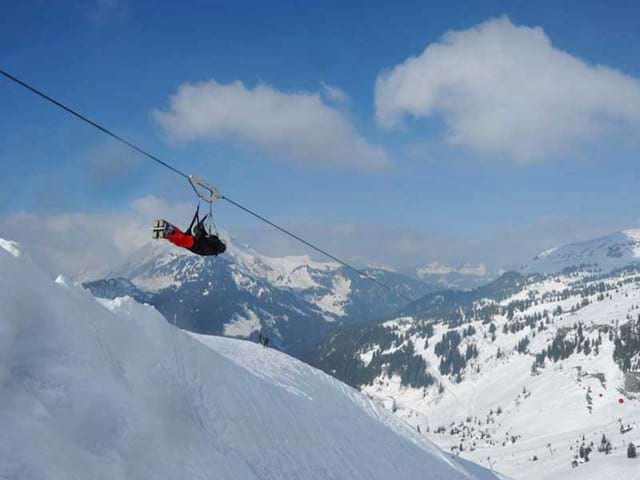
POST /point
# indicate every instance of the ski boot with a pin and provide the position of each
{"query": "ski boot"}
(161, 228)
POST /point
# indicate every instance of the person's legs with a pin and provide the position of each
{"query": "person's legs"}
(179, 238)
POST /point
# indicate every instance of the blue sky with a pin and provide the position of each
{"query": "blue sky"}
(449, 190)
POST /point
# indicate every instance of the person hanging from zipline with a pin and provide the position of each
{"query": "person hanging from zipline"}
(200, 242)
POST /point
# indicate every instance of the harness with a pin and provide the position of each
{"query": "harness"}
(198, 224)
(207, 193)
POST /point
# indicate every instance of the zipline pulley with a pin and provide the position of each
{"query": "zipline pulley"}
(205, 191)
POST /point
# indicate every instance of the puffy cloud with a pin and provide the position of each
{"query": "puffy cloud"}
(74, 244)
(505, 90)
(87, 245)
(297, 126)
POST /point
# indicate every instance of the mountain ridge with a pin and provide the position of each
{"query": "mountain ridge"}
(293, 300)
(605, 253)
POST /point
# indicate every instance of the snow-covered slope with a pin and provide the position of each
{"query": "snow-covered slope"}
(517, 375)
(110, 390)
(293, 300)
(604, 254)
(296, 272)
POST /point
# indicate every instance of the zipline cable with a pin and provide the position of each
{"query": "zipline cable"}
(188, 177)
(318, 249)
(92, 123)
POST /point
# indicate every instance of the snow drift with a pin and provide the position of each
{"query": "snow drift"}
(117, 392)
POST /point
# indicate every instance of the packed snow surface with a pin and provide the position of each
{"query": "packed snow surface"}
(110, 390)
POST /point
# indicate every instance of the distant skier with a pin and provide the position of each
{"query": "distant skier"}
(199, 242)
(264, 341)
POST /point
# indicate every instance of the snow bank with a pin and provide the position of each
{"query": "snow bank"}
(111, 390)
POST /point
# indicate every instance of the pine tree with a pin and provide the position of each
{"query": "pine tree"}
(631, 450)
(605, 445)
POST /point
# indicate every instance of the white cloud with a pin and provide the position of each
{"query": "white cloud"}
(437, 268)
(74, 243)
(297, 126)
(505, 90)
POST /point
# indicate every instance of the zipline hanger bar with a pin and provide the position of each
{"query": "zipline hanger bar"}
(200, 186)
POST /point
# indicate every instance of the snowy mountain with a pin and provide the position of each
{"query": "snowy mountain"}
(524, 375)
(466, 276)
(602, 254)
(110, 389)
(293, 300)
